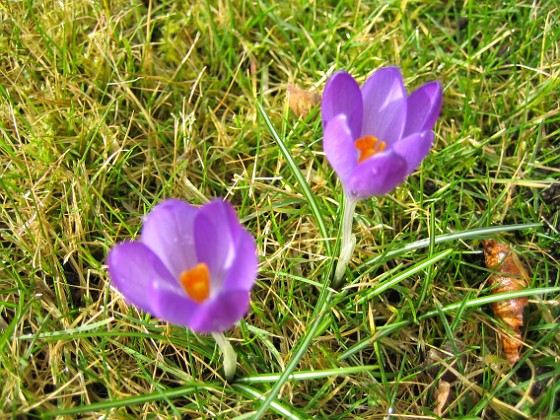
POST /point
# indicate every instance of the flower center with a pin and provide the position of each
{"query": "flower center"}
(368, 146)
(196, 282)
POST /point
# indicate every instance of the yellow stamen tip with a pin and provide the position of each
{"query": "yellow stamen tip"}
(196, 282)
(368, 146)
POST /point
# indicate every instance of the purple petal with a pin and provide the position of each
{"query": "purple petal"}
(243, 272)
(384, 97)
(342, 96)
(132, 268)
(221, 313)
(171, 303)
(339, 148)
(215, 315)
(215, 232)
(168, 231)
(423, 108)
(377, 175)
(414, 149)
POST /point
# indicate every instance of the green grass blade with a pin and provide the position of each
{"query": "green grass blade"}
(404, 275)
(294, 168)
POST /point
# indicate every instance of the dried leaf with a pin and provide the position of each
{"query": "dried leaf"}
(510, 275)
(442, 395)
(301, 101)
(441, 365)
(450, 353)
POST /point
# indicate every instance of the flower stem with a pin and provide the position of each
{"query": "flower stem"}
(348, 240)
(230, 357)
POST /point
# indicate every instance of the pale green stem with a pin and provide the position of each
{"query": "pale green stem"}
(348, 240)
(230, 357)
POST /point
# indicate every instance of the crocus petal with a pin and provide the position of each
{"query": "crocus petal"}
(215, 228)
(243, 272)
(338, 144)
(133, 267)
(147, 272)
(414, 149)
(423, 108)
(342, 96)
(221, 313)
(215, 315)
(168, 231)
(170, 302)
(377, 175)
(384, 102)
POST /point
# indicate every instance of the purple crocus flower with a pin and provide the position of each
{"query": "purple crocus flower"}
(193, 266)
(374, 137)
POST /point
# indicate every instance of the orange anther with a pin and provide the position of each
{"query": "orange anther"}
(196, 282)
(369, 146)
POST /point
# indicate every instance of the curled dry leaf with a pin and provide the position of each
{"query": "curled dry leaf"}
(510, 275)
(301, 101)
(442, 396)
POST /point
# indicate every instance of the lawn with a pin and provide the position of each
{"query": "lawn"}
(108, 108)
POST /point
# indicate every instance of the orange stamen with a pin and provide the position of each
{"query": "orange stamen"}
(369, 146)
(196, 282)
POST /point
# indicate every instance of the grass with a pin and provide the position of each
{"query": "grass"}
(107, 108)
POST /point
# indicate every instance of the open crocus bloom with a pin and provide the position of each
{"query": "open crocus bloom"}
(374, 137)
(193, 266)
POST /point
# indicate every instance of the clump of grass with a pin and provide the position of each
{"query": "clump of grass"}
(108, 108)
